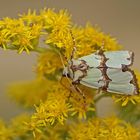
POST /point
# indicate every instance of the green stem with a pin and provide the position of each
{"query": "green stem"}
(40, 49)
(11, 47)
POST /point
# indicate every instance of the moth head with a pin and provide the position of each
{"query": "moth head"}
(66, 72)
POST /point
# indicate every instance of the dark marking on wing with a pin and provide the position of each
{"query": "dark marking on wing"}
(103, 68)
(134, 81)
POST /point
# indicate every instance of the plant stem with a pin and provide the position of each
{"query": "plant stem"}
(40, 49)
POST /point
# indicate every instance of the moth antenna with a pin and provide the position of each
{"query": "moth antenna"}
(72, 55)
(101, 50)
(73, 39)
(61, 59)
(60, 55)
(62, 75)
(74, 45)
(64, 67)
(103, 45)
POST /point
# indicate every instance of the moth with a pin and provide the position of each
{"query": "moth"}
(108, 71)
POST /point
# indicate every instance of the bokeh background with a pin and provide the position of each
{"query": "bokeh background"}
(120, 18)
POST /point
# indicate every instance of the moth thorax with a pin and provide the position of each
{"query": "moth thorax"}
(79, 65)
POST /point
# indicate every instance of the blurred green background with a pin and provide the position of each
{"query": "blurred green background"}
(120, 18)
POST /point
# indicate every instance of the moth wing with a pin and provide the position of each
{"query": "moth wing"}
(93, 78)
(118, 58)
(115, 59)
(92, 60)
(122, 82)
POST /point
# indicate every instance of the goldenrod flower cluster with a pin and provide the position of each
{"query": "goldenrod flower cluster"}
(60, 112)
(110, 128)
(103, 129)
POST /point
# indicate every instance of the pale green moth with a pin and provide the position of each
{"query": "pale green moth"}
(108, 71)
(104, 70)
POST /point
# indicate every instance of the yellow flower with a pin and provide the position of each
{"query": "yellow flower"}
(55, 21)
(132, 133)
(48, 63)
(4, 38)
(55, 108)
(87, 40)
(100, 129)
(58, 26)
(62, 39)
(81, 106)
(17, 125)
(36, 30)
(33, 126)
(9, 23)
(48, 132)
(48, 16)
(111, 122)
(51, 111)
(55, 132)
(24, 42)
(31, 17)
(6, 133)
(126, 99)
(16, 35)
(90, 39)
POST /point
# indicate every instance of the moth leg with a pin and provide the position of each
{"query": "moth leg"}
(99, 90)
(63, 83)
(70, 95)
(81, 93)
(70, 89)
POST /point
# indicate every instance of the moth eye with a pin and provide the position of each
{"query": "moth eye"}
(81, 66)
(73, 66)
(68, 75)
(64, 75)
